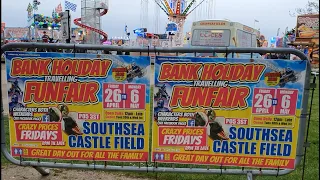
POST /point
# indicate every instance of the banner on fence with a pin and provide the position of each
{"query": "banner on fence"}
(231, 112)
(79, 106)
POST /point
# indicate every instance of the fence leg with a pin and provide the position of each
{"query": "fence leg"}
(42, 171)
(250, 176)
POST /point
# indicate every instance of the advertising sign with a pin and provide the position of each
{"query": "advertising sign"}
(201, 37)
(240, 112)
(65, 24)
(29, 10)
(55, 34)
(16, 33)
(245, 39)
(308, 26)
(78, 33)
(79, 106)
(172, 27)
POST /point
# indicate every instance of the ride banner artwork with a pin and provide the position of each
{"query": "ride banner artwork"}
(235, 112)
(79, 106)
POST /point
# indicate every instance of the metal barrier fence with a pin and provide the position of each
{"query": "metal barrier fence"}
(158, 50)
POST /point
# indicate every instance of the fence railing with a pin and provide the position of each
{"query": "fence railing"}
(158, 51)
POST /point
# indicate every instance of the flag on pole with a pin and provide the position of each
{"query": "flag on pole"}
(53, 14)
(256, 20)
(59, 9)
(71, 6)
(30, 8)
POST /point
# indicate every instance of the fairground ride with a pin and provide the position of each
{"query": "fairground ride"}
(91, 12)
(177, 12)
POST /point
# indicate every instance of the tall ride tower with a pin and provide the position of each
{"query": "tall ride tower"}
(177, 12)
(144, 14)
(91, 12)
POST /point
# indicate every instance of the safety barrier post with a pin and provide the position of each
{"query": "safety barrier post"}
(250, 176)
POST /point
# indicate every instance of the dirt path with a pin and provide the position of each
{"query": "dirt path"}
(12, 172)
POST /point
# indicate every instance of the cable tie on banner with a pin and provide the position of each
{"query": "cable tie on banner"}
(94, 164)
(221, 170)
(226, 54)
(278, 171)
(20, 160)
(242, 168)
(105, 164)
(304, 115)
(148, 51)
(155, 163)
(147, 166)
(74, 50)
(38, 160)
(88, 163)
(155, 51)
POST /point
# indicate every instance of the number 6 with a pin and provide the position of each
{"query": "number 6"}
(134, 96)
(285, 103)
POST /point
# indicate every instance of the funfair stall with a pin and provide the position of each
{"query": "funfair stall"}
(307, 37)
(16, 34)
(39, 23)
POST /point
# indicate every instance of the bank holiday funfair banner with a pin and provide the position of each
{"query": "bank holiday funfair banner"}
(79, 106)
(235, 112)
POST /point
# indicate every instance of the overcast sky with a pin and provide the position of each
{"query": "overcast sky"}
(271, 14)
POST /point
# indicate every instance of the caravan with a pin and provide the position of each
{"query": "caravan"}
(223, 33)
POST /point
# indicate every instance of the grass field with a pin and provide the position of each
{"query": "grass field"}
(312, 158)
